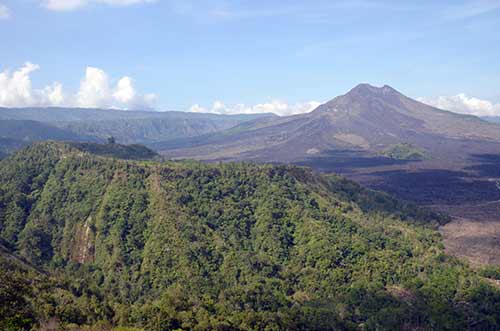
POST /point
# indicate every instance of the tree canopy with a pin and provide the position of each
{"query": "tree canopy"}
(238, 246)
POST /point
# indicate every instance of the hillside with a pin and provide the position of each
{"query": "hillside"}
(367, 120)
(175, 245)
(386, 141)
(26, 125)
(66, 115)
(8, 146)
(28, 130)
(119, 151)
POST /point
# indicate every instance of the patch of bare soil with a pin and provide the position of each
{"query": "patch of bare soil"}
(477, 241)
(475, 234)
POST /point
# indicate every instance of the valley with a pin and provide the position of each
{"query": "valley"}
(224, 222)
(373, 135)
(181, 165)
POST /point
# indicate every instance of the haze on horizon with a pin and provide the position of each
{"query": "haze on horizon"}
(247, 56)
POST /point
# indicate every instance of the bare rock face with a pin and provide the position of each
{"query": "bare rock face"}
(83, 246)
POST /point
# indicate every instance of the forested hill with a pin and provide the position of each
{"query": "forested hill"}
(114, 150)
(190, 246)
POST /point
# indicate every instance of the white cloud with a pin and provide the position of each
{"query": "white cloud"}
(277, 107)
(461, 103)
(54, 94)
(15, 88)
(4, 12)
(64, 5)
(196, 108)
(95, 91)
(68, 5)
(124, 92)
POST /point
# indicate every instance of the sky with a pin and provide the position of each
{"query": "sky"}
(221, 56)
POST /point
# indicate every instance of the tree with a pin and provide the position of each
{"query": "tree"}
(15, 312)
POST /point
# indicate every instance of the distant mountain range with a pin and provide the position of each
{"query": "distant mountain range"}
(369, 130)
(367, 121)
(493, 119)
(21, 126)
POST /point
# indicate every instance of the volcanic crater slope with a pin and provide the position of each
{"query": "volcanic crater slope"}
(367, 120)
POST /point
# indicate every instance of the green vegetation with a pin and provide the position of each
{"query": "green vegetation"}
(492, 272)
(9, 146)
(142, 245)
(405, 151)
(16, 312)
(111, 149)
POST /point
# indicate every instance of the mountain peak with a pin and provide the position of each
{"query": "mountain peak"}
(367, 89)
(363, 93)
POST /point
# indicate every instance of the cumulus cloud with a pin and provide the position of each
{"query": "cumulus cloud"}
(463, 104)
(53, 95)
(96, 91)
(276, 106)
(124, 92)
(68, 5)
(16, 89)
(4, 12)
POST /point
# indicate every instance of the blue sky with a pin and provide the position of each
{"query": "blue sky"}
(252, 53)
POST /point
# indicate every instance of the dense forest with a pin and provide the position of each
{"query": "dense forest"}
(92, 242)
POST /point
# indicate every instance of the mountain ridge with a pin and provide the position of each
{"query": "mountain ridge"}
(25, 125)
(366, 119)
